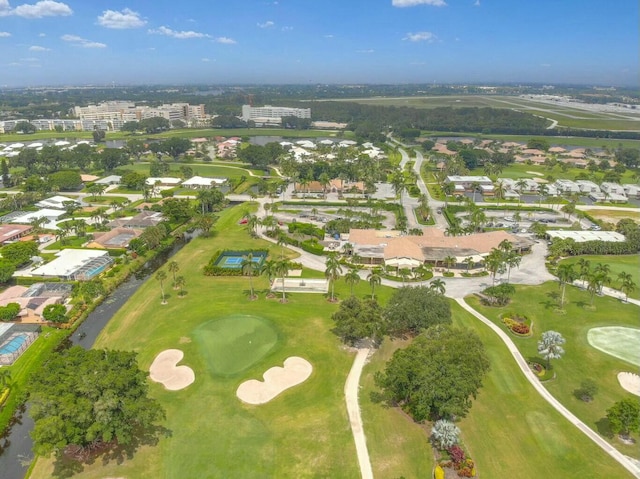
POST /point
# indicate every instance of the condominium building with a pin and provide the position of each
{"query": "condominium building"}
(272, 114)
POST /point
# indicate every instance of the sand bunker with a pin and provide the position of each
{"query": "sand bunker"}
(630, 382)
(276, 380)
(164, 370)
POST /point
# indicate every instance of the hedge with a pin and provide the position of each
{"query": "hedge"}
(312, 246)
(307, 229)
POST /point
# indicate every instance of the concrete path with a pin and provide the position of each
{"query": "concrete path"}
(353, 410)
(546, 395)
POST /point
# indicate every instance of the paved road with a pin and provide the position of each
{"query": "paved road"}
(546, 395)
(353, 410)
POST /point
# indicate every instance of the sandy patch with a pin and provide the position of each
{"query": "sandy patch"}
(537, 173)
(630, 382)
(276, 380)
(164, 370)
(184, 340)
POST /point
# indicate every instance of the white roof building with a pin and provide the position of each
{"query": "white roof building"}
(109, 180)
(48, 213)
(567, 186)
(612, 188)
(164, 181)
(467, 181)
(632, 191)
(202, 182)
(56, 202)
(587, 186)
(77, 264)
(583, 236)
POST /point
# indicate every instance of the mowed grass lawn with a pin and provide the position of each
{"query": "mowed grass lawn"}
(618, 264)
(581, 361)
(304, 432)
(510, 430)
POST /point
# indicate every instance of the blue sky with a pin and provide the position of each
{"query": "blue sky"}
(80, 42)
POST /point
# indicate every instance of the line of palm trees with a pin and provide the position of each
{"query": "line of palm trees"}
(179, 282)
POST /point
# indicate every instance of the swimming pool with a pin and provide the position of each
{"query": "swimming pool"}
(14, 343)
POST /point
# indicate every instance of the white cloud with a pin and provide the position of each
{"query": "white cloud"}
(365, 51)
(545, 65)
(413, 3)
(127, 18)
(4, 34)
(328, 36)
(77, 41)
(41, 35)
(267, 24)
(206, 60)
(286, 29)
(176, 34)
(38, 48)
(476, 3)
(225, 40)
(44, 8)
(421, 37)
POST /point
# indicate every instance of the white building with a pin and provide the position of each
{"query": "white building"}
(583, 236)
(56, 202)
(109, 180)
(163, 181)
(612, 188)
(272, 114)
(587, 186)
(632, 191)
(566, 186)
(75, 264)
(467, 182)
(199, 182)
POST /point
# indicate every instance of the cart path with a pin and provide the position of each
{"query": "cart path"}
(623, 460)
(353, 410)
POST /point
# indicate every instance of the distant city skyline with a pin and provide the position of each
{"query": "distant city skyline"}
(333, 41)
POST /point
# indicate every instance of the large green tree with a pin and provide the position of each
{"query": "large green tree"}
(411, 310)
(86, 398)
(437, 375)
(359, 319)
(624, 416)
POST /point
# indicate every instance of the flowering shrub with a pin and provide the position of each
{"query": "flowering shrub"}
(457, 455)
(518, 325)
(467, 468)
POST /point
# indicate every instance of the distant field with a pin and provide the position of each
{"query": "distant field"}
(565, 115)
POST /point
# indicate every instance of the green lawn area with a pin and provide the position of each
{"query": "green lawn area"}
(304, 432)
(618, 264)
(203, 169)
(581, 361)
(70, 242)
(30, 361)
(512, 432)
(398, 447)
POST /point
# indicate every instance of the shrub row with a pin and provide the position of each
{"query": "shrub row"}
(307, 229)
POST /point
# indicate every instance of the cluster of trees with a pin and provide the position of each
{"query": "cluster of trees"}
(437, 375)
(155, 124)
(595, 279)
(15, 255)
(82, 400)
(502, 259)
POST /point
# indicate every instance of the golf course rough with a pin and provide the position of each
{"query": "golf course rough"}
(232, 344)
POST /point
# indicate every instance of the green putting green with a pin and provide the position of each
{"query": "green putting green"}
(619, 342)
(234, 343)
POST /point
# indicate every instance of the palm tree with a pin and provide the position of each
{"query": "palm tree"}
(448, 189)
(585, 266)
(494, 263)
(374, 279)
(475, 186)
(180, 283)
(398, 183)
(404, 273)
(282, 268)
(603, 271)
(450, 261)
(161, 276)
(627, 286)
(252, 223)
(565, 274)
(513, 260)
(593, 285)
(174, 267)
(249, 267)
(543, 190)
(550, 346)
(421, 271)
(469, 261)
(204, 224)
(352, 278)
(521, 184)
(332, 271)
(438, 285)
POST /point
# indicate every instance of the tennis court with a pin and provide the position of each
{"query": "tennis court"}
(234, 259)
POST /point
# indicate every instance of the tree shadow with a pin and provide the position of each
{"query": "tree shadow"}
(604, 428)
(65, 466)
(552, 302)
